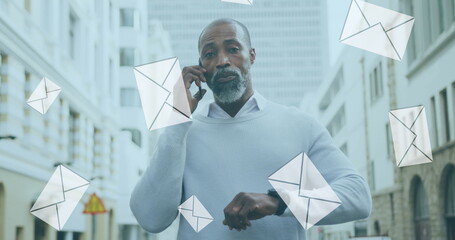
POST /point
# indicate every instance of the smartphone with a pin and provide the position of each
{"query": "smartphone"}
(200, 88)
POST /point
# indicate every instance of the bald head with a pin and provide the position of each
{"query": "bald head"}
(237, 24)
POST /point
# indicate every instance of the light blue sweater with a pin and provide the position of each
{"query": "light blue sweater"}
(215, 159)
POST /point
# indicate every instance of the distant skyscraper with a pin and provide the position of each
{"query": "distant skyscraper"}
(290, 37)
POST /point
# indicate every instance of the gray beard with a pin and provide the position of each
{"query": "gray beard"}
(228, 92)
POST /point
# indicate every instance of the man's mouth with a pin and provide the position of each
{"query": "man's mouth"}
(225, 77)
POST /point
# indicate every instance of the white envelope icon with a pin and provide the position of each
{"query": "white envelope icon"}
(304, 190)
(195, 213)
(411, 139)
(44, 95)
(59, 197)
(377, 29)
(247, 2)
(163, 93)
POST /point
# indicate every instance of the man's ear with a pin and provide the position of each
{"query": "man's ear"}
(252, 55)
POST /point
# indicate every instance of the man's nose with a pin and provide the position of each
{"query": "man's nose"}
(223, 61)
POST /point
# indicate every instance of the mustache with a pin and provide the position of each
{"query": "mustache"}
(225, 71)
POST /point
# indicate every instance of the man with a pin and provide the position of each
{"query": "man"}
(226, 154)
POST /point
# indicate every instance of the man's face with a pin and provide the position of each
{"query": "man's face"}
(227, 58)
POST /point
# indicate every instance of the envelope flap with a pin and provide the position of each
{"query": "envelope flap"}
(407, 116)
(157, 71)
(313, 183)
(246, 2)
(71, 180)
(403, 137)
(420, 128)
(290, 172)
(355, 21)
(152, 95)
(388, 18)
(174, 75)
(51, 86)
(202, 223)
(39, 92)
(52, 192)
(188, 204)
(199, 210)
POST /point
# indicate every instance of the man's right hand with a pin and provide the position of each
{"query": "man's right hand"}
(195, 74)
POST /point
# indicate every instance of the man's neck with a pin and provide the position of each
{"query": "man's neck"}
(233, 108)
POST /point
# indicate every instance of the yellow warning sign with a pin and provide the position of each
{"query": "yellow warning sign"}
(94, 205)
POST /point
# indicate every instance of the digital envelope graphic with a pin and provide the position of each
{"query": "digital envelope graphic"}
(246, 2)
(304, 190)
(44, 95)
(377, 29)
(195, 213)
(411, 139)
(59, 197)
(163, 93)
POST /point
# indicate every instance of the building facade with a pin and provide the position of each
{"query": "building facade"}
(141, 41)
(414, 202)
(420, 202)
(84, 47)
(338, 104)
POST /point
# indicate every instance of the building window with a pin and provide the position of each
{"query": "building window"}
(40, 229)
(337, 122)
(127, 17)
(77, 236)
(2, 208)
(127, 57)
(436, 17)
(27, 93)
(129, 97)
(389, 141)
(111, 78)
(72, 35)
(73, 132)
(377, 228)
(97, 142)
(1, 70)
(421, 212)
(450, 204)
(412, 47)
(61, 235)
(392, 206)
(439, 18)
(435, 120)
(360, 228)
(445, 116)
(135, 136)
(376, 88)
(333, 90)
(453, 9)
(19, 233)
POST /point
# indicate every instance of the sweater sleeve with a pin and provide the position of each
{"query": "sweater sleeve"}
(158, 193)
(338, 171)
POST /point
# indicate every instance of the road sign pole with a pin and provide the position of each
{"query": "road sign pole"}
(93, 226)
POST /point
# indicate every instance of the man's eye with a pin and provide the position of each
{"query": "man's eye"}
(209, 54)
(234, 50)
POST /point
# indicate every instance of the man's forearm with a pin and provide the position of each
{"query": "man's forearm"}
(157, 195)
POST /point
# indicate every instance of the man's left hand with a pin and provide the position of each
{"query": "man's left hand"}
(248, 206)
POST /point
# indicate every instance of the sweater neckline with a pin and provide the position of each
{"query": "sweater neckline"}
(247, 117)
